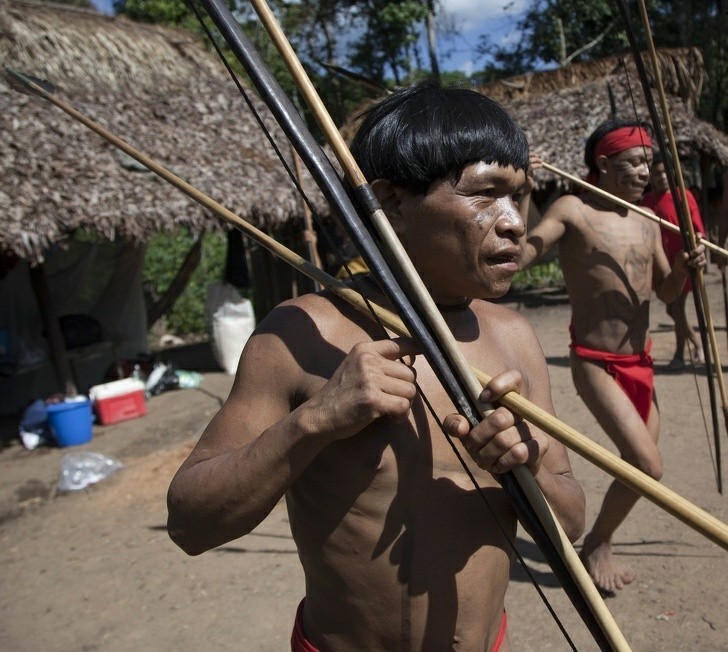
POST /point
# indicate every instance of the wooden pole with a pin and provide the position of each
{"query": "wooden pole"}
(313, 254)
(59, 354)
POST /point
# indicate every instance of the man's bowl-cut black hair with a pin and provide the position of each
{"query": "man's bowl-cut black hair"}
(425, 133)
(601, 131)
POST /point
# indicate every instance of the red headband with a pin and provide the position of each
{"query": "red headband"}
(620, 139)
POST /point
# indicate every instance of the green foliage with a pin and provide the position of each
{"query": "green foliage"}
(389, 31)
(165, 254)
(700, 23)
(175, 13)
(448, 78)
(539, 277)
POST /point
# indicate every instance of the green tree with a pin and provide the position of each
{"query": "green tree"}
(704, 24)
(390, 31)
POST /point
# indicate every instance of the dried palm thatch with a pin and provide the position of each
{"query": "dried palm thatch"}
(159, 89)
(558, 109)
(558, 124)
(681, 70)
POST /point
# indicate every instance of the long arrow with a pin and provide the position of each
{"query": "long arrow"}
(640, 210)
(693, 516)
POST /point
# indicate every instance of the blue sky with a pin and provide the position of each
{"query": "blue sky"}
(471, 18)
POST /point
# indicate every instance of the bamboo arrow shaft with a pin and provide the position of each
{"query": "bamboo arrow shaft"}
(690, 514)
(664, 224)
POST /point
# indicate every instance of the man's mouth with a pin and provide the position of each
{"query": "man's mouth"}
(505, 257)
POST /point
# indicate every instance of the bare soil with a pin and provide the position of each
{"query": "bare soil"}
(95, 570)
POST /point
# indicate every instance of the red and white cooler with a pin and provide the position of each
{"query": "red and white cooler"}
(118, 400)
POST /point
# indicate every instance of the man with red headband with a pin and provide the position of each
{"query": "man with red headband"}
(612, 258)
(660, 200)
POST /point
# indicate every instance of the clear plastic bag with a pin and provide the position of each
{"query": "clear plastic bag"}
(188, 379)
(79, 470)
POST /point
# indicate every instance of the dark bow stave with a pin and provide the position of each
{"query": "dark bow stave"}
(321, 169)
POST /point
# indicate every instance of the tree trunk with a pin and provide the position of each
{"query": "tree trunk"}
(178, 284)
(432, 41)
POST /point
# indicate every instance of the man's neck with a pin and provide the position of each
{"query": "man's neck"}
(603, 203)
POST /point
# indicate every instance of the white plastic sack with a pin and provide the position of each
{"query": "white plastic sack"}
(232, 321)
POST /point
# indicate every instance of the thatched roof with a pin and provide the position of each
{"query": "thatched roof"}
(157, 88)
(558, 109)
(681, 70)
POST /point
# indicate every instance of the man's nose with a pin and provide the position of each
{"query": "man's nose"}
(510, 220)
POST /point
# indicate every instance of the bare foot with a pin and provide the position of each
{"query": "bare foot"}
(608, 574)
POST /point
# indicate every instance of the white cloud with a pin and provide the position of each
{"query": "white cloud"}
(467, 67)
(480, 10)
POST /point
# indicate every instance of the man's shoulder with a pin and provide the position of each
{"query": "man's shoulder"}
(568, 201)
(567, 207)
(498, 316)
(311, 321)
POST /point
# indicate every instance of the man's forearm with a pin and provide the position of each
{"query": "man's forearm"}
(222, 498)
(566, 498)
(672, 286)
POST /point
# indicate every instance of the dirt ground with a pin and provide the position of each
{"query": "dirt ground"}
(95, 570)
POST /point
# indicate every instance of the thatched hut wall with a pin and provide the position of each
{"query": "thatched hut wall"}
(157, 88)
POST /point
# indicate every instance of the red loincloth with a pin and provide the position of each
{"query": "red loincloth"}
(501, 633)
(634, 373)
(672, 242)
(299, 642)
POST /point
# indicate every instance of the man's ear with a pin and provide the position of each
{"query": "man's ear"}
(390, 199)
(602, 164)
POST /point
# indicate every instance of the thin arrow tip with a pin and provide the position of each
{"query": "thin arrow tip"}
(19, 81)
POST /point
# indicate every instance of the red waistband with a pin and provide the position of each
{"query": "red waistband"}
(299, 642)
(501, 633)
(608, 356)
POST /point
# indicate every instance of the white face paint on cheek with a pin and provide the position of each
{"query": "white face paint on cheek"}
(481, 219)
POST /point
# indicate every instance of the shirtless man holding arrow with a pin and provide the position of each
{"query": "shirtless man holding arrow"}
(398, 549)
(612, 259)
